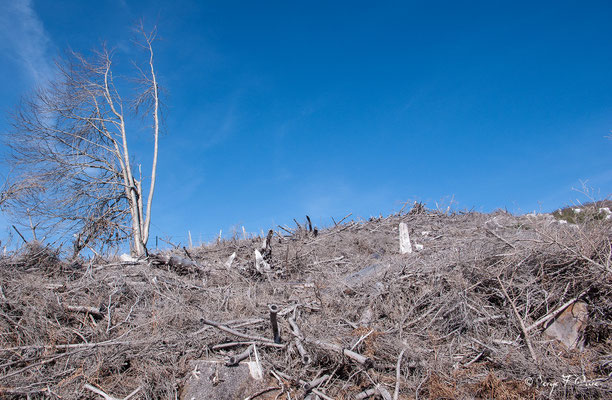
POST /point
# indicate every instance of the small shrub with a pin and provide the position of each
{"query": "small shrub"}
(589, 212)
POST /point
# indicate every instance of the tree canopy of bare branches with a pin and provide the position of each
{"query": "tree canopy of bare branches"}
(73, 176)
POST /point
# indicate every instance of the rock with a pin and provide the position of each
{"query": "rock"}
(367, 317)
(569, 326)
(127, 258)
(213, 380)
(179, 264)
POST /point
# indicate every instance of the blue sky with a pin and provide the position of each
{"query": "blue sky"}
(281, 109)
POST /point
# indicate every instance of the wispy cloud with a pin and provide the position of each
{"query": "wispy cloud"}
(24, 38)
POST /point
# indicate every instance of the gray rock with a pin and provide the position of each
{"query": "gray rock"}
(569, 326)
(213, 380)
(366, 274)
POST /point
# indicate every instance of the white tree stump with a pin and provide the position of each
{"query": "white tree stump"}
(260, 264)
(404, 238)
(230, 260)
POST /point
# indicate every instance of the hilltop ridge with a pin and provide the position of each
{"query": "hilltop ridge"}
(464, 311)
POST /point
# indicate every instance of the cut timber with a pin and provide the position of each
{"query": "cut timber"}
(404, 237)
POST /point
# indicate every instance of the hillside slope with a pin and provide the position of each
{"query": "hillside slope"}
(457, 311)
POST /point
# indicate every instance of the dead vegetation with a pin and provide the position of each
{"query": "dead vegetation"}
(462, 318)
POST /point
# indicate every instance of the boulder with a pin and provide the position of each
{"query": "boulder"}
(214, 380)
(569, 326)
(127, 258)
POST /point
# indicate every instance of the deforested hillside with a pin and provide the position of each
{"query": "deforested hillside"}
(486, 306)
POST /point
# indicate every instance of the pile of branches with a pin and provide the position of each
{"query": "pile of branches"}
(461, 318)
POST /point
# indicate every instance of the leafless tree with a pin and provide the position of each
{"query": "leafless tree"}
(72, 173)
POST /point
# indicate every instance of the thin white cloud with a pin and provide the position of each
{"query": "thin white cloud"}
(24, 39)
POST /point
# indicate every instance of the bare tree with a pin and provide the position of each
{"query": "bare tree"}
(72, 173)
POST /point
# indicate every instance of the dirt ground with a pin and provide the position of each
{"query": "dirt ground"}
(461, 318)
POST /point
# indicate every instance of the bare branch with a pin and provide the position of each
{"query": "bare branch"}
(69, 148)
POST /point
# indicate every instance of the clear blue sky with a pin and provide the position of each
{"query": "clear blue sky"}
(281, 109)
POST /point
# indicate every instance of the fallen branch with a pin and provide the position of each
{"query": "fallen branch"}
(366, 394)
(79, 345)
(473, 360)
(235, 344)
(289, 231)
(262, 392)
(306, 359)
(501, 238)
(235, 360)
(85, 310)
(339, 222)
(98, 391)
(576, 253)
(178, 262)
(520, 321)
(23, 392)
(384, 393)
(234, 332)
(398, 375)
(308, 386)
(295, 329)
(557, 311)
(20, 371)
(321, 394)
(311, 388)
(365, 361)
(326, 261)
(109, 397)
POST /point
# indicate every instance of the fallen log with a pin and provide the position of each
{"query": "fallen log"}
(363, 360)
